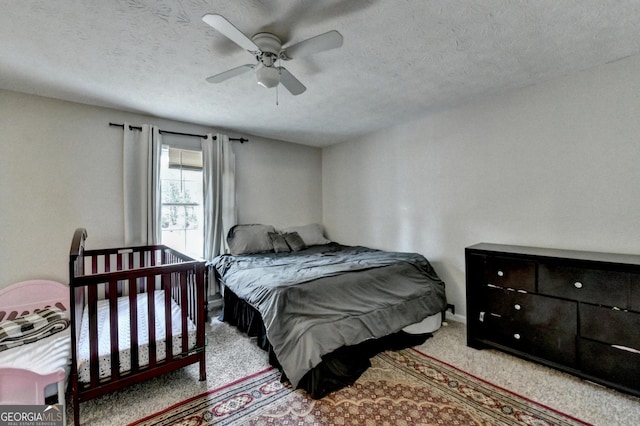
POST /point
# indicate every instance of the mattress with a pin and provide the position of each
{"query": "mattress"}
(428, 325)
(322, 298)
(43, 357)
(124, 335)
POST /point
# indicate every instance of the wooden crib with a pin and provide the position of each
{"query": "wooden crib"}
(116, 295)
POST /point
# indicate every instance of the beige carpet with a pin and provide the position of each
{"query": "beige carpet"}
(232, 356)
(403, 388)
(569, 394)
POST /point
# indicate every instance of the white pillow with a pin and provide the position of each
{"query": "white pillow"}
(312, 234)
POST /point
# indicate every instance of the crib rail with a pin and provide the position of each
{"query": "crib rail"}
(159, 274)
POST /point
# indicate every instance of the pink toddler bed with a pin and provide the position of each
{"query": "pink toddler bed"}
(31, 372)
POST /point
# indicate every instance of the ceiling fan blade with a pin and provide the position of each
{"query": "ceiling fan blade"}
(319, 43)
(220, 23)
(218, 78)
(291, 83)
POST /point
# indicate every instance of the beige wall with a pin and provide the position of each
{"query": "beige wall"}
(61, 168)
(551, 165)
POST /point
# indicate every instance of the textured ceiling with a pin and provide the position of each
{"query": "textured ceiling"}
(400, 60)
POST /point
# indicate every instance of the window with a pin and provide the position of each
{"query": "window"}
(182, 200)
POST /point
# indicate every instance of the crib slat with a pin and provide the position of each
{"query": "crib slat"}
(189, 299)
(119, 268)
(183, 310)
(175, 295)
(168, 326)
(107, 268)
(151, 319)
(153, 257)
(113, 328)
(92, 305)
(133, 319)
(193, 297)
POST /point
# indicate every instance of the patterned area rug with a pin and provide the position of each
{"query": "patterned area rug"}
(401, 388)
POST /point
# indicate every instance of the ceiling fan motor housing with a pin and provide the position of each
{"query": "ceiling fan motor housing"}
(270, 47)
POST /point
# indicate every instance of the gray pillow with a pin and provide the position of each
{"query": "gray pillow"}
(243, 239)
(278, 242)
(311, 234)
(294, 241)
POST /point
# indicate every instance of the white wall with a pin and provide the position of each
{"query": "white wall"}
(280, 184)
(551, 165)
(61, 168)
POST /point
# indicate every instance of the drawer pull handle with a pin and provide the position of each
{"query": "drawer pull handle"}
(500, 274)
(577, 284)
(517, 307)
(516, 336)
(626, 348)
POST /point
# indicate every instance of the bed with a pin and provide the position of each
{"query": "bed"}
(34, 367)
(136, 313)
(320, 308)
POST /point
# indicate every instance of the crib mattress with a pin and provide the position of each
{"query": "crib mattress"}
(124, 335)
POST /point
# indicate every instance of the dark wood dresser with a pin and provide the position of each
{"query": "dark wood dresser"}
(575, 311)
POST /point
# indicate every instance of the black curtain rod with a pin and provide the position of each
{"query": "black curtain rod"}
(241, 140)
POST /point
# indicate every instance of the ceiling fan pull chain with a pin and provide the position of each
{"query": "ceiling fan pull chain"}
(279, 74)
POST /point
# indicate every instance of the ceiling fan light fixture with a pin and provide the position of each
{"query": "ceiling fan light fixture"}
(267, 49)
(268, 76)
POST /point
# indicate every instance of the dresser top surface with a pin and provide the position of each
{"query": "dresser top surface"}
(590, 256)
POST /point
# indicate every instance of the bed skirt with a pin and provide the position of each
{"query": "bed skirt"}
(338, 369)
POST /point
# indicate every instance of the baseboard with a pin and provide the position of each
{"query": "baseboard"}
(214, 305)
(455, 318)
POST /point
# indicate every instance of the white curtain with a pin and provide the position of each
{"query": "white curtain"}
(141, 177)
(220, 212)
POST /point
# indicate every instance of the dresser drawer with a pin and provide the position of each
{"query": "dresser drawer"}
(531, 309)
(538, 325)
(616, 366)
(557, 345)
(634, 293)
(510, 273)
(610, 326)
(597, 286)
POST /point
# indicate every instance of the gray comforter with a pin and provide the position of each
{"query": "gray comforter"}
(319, 299)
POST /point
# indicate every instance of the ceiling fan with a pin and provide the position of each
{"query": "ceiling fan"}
(267, 49)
